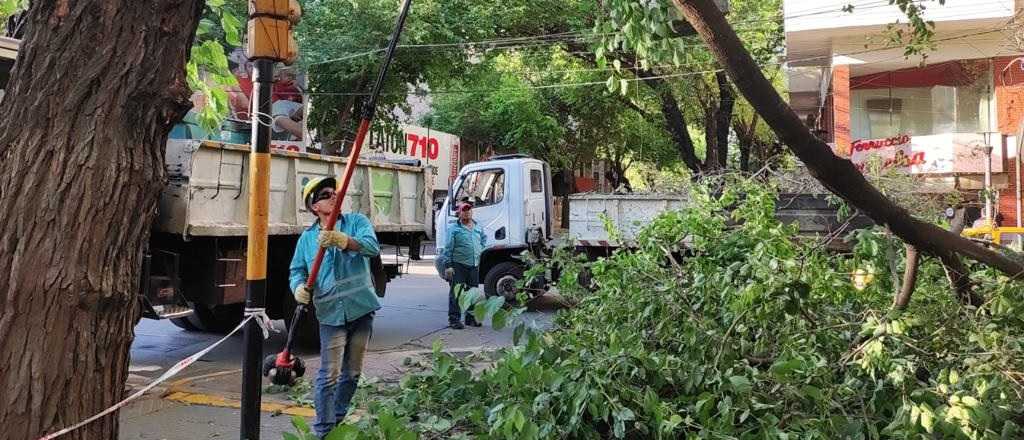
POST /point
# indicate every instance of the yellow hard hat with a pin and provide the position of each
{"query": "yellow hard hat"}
(314, 186)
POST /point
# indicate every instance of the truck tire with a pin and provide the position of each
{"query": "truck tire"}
(214, 319)
(502, 280)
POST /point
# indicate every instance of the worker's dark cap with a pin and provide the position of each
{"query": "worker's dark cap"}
(464, 206)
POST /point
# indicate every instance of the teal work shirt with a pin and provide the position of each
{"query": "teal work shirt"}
(344, 287)
(465, 244)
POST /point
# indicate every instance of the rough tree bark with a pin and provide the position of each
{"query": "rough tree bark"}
(746, 135)
(717, 107)
(96, 88)
(723, 118)
(835, 173)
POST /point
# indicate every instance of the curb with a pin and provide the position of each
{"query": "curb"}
(178, 391)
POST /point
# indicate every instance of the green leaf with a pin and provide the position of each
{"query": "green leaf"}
(662, 30)
(469, 298)
(493, 304)
(300, 424)
(812, 392)
(740, 384)
(231, 26)
(927, 418)
(204, 28)
(343, 432)
(500, 319)
(517, 334)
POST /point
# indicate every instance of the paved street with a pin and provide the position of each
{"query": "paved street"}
(414, 314)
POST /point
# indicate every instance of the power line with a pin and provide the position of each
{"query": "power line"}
(583, 36)
(677, 75)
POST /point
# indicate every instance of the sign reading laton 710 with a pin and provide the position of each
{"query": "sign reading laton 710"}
(409, 142)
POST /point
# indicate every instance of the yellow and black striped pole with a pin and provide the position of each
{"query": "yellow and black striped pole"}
(269, 40)
(256, 255)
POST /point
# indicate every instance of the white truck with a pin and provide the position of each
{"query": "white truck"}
(512, 198)
(513, 203)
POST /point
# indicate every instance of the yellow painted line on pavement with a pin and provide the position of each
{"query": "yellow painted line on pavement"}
(223, 402)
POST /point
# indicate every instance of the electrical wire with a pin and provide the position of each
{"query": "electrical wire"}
(677, 75)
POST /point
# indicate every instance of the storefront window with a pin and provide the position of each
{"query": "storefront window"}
(944, 98)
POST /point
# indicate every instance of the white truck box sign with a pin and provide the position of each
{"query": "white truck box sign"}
(436, 149)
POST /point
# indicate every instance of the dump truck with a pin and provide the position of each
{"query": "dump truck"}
(513, 203)
(194, 269)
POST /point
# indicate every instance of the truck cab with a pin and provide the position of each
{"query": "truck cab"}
(512, 202)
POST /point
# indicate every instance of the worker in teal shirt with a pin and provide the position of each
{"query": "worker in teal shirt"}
(344, 298)
(466, 241)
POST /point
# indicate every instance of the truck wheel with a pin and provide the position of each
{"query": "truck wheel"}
(215, 319)
(502, 280)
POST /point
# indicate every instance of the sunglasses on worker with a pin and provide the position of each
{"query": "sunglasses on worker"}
(324, 195)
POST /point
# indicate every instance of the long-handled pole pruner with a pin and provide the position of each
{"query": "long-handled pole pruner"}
(284, 366)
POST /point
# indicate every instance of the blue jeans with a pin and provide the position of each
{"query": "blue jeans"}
(341, 362)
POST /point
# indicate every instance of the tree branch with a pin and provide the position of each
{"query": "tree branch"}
(723, 117)
(835, 173)
(902, 298)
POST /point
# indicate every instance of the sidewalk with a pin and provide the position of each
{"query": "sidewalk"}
(206, 406)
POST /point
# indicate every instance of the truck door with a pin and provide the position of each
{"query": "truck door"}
(485, 189)
(535, 200)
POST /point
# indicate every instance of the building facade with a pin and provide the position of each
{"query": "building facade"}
(933, 116)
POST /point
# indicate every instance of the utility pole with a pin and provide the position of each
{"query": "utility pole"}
(269, 41)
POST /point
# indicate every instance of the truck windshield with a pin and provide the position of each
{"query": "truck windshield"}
(482, 188)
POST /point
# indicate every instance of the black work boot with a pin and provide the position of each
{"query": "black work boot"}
(456, 325)
(471, 321)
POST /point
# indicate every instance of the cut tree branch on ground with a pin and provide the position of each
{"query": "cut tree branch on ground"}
(906, 290)
(837, 174)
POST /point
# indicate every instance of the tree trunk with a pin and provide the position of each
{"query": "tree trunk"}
(746, 135)
(835, 173)
(569, 179)
(711, 150)
(723, 118)
(95, 91)
(675, 120)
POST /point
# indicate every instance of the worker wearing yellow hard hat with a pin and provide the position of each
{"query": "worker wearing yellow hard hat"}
(344, 297)
(311, 189)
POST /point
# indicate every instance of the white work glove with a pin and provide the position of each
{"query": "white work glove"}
(449, 273)
(333, 238)
(302, 296)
